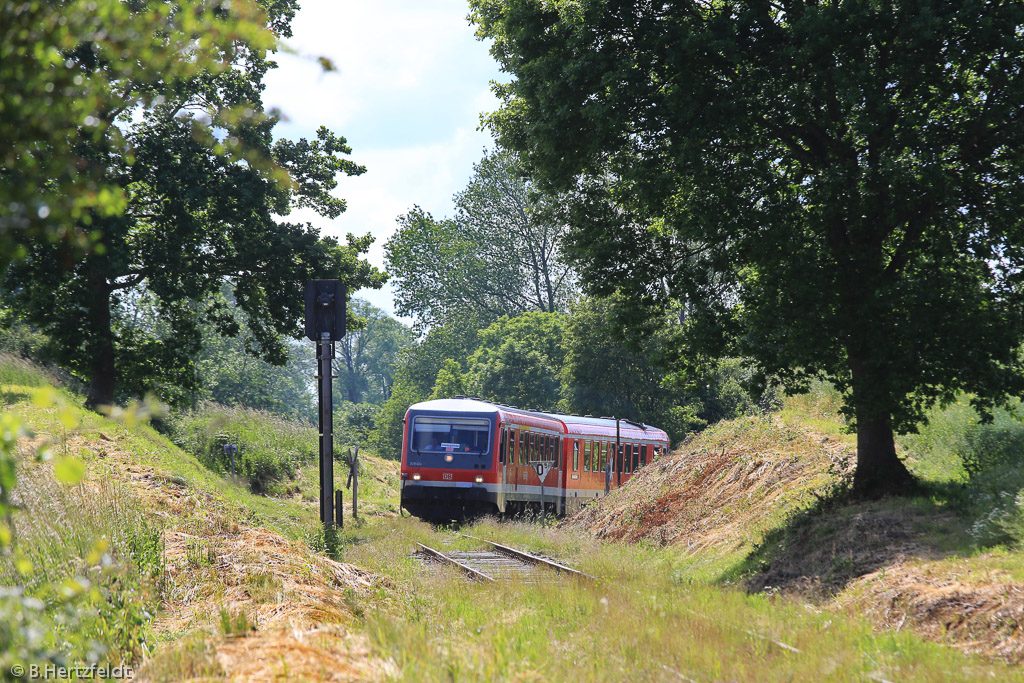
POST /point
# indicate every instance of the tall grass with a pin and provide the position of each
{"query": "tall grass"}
(639, 622)
(270, 448)
(81, 580)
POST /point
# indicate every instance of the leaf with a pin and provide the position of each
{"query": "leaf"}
(44, 397)
(69, 469)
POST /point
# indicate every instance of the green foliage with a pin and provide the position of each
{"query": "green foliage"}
(367, 356)
(69, 71)
(204, 185)
(498, 256)
(270, 448)
(518, 361)
(829, 189)
(353, 422)
(983, 462)
(416, 375)
(83, 575)
(450, 381)
(573, 363)
(386, 438)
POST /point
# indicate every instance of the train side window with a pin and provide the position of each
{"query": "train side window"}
(522, 447)
(643, 455)
(604, 456)
(586, 456)
(575, 455)
(627, 458)
(554, 449)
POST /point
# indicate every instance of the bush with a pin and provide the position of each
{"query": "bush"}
(269, 446)
(987, 459)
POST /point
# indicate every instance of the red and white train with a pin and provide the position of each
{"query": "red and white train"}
(463, 456)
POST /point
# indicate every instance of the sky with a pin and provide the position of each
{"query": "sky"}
(411, 83)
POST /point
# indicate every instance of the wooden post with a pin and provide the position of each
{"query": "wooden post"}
(353, 480)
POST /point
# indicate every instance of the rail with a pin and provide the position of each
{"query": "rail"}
(532, 559)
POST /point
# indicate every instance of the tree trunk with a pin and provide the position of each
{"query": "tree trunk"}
(879, 471)
(103, 373)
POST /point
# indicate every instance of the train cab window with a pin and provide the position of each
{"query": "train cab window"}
(643, 455)
(576, 455)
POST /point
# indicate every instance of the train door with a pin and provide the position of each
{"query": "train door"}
(559, 471)
(503, 464)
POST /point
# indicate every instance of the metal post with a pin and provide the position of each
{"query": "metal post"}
(339, 508)
(325, 354)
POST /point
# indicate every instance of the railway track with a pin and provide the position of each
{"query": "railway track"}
(500, 563)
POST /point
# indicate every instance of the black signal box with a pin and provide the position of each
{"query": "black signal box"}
(325, 309)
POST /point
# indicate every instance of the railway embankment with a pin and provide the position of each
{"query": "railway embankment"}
(759, 502)
(170, 567)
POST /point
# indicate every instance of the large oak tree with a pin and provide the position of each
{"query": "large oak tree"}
(204, 187)
(829, 187)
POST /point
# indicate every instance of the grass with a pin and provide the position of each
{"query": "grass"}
(83, 575)
(641, 621)
(657, 613)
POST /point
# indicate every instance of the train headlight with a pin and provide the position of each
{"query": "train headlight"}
(416, 476)
(479, 479)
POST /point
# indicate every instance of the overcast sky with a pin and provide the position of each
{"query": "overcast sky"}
(411, 83)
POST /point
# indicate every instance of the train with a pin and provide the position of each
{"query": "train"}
(463, 457)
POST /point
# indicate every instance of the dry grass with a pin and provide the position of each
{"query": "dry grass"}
(301, 631)
(722, 490)
(300, 602)
(748, 499)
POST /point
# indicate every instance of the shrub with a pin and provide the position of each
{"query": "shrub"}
(269, 447)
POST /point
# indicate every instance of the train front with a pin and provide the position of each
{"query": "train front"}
(449, 468)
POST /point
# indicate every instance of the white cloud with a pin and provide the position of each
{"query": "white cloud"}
(411, 83)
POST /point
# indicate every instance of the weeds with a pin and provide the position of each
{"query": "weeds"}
(264, 587)
(235, 622)
(198, 555)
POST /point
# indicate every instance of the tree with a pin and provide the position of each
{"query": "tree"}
(416, 377)
(519, 361)
(831, 189)
(367, 356)
(204, 182)
(62, 87)
(498, 256)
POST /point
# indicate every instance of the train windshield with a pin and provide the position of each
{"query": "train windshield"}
(450, 442)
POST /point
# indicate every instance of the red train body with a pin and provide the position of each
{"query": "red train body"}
(464, 456)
